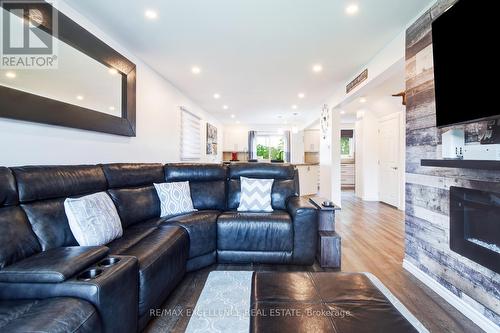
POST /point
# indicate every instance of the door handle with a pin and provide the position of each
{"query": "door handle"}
(395, 168)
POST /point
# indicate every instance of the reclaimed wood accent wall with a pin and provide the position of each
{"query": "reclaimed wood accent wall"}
(427, 188)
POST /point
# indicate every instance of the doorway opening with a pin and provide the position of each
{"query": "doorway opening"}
(372, 143)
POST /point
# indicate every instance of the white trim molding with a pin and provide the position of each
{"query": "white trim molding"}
(397, 304)
(474, 315)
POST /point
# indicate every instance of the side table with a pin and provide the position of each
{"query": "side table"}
(329, 252)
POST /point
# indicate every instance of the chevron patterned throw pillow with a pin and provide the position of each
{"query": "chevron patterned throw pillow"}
(256, 195)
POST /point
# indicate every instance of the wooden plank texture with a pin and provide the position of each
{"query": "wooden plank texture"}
(427, 188)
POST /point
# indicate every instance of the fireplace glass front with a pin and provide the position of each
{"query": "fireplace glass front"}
(475, 226)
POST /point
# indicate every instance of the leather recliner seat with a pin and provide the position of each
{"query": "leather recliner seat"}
(40, 259)
(62, 314)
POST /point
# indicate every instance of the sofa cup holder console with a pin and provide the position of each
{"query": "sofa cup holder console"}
(108, 262)
(90, 274)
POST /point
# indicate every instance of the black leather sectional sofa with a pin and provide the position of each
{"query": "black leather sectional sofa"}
(49, 283)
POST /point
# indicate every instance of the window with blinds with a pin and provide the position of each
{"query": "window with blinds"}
(190, 136)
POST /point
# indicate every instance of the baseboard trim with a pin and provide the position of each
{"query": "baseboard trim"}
(477, 317)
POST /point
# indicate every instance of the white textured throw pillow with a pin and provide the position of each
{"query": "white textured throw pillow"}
(256, 195)
(93, 219)
(175, 198)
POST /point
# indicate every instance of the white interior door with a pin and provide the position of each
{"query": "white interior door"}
(389, 160)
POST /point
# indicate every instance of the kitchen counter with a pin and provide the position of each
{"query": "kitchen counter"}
(306, 164)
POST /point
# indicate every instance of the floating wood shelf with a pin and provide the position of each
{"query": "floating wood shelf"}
(462, 164)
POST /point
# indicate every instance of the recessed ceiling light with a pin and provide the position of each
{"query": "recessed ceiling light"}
(11, 75)
(111, 108)
(196, 70)
(113, 71)
(352, 9)
(362, 100)
(342, 112)
(216, 96)
(295, 114)
(317, 68)
(233, 116)
(225, 107)
(151, 14)
(294, 107)
(301, 95)
(79, 97)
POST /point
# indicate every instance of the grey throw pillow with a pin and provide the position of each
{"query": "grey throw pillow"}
(256, 195)
(175, 198)
(93, 219)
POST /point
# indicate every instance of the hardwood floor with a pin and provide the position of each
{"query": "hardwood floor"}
(372, 241)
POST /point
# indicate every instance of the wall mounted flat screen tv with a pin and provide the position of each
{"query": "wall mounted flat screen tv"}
(466, 63)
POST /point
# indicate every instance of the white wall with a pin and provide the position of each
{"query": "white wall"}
(236, 138)
(325, 163)
(158, 125)
(366, 152)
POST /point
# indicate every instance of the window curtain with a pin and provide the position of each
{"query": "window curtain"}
(251, 145)
(287, 146)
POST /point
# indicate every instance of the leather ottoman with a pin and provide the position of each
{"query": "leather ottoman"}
(322, 302)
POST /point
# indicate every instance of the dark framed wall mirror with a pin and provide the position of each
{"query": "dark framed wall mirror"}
(55, 72)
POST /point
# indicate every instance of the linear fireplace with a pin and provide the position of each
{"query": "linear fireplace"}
(475, 226)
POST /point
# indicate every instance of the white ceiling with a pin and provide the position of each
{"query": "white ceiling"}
(258, 54)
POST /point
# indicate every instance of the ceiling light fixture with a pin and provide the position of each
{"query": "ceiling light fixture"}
(352, 9)
(317, 68)
(233, 116)
(295, 114)
(196, 70)
(279, 116)
(225, 107)
(301, 95)
(294, 107)
(362, 100)
(216, 96)
(151, 14)
(111, 108)
(11, 75)
(79, 97)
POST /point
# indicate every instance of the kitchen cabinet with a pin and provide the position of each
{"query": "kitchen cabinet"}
(308, 179)
(235, 140)
(347, 174)
(311, 141)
